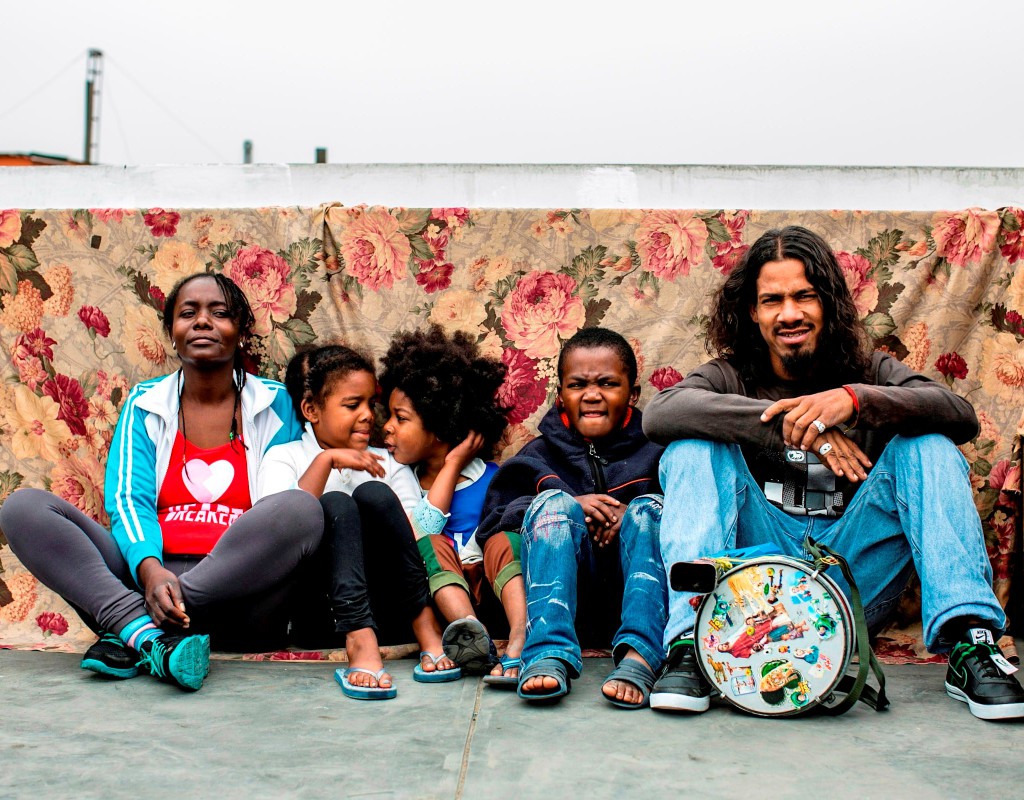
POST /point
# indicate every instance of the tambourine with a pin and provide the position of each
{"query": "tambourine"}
(775, 636)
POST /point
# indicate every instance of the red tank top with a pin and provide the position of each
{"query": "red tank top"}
(200, 499)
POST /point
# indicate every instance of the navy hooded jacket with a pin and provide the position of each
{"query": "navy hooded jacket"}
(623, 465)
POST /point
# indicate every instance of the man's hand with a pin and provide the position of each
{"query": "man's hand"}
(830, 408)
(602, 513)
(163, 594)
(845, 459)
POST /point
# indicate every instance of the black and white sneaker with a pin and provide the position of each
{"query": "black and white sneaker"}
(112, 658)
(980, 676)
(681, 685)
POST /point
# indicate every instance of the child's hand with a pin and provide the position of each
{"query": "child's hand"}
(602, 513)
(465, 451)
(363, 460)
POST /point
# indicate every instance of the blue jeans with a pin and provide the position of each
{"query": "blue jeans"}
(555, 541)
(915, 509)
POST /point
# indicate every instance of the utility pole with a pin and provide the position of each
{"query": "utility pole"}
(93, 78)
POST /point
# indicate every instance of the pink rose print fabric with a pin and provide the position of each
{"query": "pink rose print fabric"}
(83, 292)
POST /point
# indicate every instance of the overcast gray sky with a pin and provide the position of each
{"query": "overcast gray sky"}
(636, 81)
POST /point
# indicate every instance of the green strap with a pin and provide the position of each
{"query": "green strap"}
(856, 688)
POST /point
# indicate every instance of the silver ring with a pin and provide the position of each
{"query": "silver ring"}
(817, 423)
(825, 449)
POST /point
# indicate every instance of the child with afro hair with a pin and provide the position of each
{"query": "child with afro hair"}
(445, 420)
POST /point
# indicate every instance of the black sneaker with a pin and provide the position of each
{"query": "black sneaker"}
(681, 686)
(181, 660)
(980, 676)
(111, 657)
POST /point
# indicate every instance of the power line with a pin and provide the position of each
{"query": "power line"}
(31, 95)
(120, 128)
(166, 110)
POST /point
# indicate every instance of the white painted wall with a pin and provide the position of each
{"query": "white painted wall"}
(514, 185)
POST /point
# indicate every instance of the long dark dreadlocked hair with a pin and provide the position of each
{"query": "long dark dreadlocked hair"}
(238, 308)
(843, 355)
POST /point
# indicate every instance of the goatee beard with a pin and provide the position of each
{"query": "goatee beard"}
(798, 365)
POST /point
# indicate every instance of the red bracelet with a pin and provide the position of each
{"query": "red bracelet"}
(856, 407)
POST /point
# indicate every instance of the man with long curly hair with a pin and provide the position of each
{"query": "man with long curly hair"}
(796, 428)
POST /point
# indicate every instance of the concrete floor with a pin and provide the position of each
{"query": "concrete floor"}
(283, 729)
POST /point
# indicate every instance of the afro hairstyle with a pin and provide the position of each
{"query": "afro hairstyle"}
(451, 385)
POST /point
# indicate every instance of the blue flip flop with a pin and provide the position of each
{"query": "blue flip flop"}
(548, 668)
(364, 692)
(504, 681)
(438, 675)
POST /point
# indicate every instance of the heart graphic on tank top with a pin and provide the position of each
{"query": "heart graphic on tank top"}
(207, 482)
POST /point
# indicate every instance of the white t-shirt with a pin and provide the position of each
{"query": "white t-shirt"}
(284, 464)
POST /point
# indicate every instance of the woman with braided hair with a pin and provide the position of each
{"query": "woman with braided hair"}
(190, 553)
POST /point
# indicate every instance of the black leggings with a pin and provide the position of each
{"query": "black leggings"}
(237, 592)
(368, 567)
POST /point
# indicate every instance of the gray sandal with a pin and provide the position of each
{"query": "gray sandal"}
(547, 668)
(629, 670)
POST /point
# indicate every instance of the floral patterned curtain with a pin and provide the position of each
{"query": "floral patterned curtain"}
(82, 293)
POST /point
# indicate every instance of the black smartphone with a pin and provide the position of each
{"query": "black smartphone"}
(693, 576)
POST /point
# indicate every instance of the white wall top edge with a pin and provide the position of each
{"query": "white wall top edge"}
(511, 186)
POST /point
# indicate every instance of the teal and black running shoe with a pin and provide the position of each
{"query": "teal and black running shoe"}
(111, 657)
(181, 660)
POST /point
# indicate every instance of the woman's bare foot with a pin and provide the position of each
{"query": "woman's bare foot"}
(428, 634)
(625, 691)
(363, 651)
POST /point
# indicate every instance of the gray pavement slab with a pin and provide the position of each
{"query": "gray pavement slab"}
(283, 729)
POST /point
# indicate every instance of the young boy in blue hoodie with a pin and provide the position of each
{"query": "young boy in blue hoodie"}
(581, 497)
